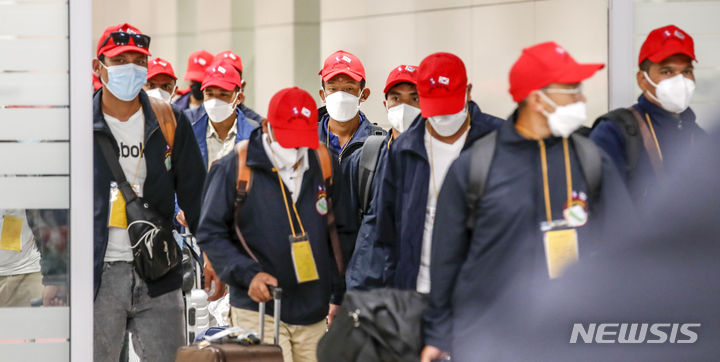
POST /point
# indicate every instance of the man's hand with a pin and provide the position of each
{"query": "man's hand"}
(334, 308)
(210, 278)
(181, 218)
(258, 290)
(430, 353)
(54, 295)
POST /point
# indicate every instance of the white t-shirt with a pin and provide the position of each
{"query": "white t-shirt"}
(130, 136)
(440, 159)
(13, 262)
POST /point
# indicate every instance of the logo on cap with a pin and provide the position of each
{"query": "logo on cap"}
(305, 112)
(410, 68)
(221, 69)
(161, 63)
(560, 50)
(200, 60)
(444, 80)
(232, 56)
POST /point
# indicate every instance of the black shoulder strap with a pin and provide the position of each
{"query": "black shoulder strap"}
(625, 121)
(111, 158)
(590, 162)
(368, 161)
(481, 157)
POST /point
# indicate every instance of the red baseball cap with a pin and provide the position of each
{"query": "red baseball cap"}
(183, 91)
(231, 58)
(221, 74)
(401, 74)
(292, 114)
(160, 66)
(442, 84)
(666, 41)
(108, 47)
(342, 62)
(197, 62)
(543, 64)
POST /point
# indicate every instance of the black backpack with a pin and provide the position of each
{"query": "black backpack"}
(369, 156)
(375, 325)
(627, 123)
(483, 151)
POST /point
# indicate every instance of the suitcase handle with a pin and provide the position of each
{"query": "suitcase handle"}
(277, 295)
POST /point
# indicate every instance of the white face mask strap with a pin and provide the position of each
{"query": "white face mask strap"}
(173, 91)
(547, 99)
(647, 76)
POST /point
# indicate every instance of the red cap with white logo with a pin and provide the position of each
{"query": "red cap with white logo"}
(126, 38)
(292, 114)
(342, 62)
(197, 62)
(442, 84)
(160, 66)
(543, 64)
(231, 58)
(401, 74)
(221, 74)
(666, 41)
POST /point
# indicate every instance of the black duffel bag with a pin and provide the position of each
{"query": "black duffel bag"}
(376, 325)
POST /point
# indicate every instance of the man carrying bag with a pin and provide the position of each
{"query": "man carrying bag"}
(144, 154)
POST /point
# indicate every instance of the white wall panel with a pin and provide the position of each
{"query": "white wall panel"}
(34, 158)
(34, 124)
(35, 192)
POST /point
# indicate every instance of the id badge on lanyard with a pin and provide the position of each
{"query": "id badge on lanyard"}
(303, 260)
(11, 234)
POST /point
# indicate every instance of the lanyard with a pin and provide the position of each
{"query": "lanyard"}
(652, 129)
(568, 176)
(287, 207)
(327, 138)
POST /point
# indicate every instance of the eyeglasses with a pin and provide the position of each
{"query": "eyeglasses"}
(123, 38)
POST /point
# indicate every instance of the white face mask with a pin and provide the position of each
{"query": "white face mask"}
(448, 124)
(160, 94)
(342, 106)
(674, 94)
(565, 119)
(402, 116)
(285, 157)
(219, 110)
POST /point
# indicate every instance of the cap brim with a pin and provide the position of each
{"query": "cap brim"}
(219, 83)
(125, 48)
(579, 73)
(396, 82)
(354, 76)
(196, 76)
(668, 52)
(436, 106)
(150, 75)
(295, 138)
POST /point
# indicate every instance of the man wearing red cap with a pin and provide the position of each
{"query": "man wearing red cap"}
(161, 80)
(531, 183)
(402, 105)
(646, 139)
(195, 73)
(416, 166)
(125, 118)
(284, 222)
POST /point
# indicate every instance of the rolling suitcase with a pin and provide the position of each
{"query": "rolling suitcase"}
(246, 347)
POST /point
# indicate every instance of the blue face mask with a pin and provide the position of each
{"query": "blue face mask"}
(125, 81)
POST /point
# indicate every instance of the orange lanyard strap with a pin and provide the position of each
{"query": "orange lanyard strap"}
(568, 176)
(287, 208)
(647, 116)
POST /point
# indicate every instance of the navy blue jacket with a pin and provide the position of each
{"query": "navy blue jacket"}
(185, 178)
(358, 274)
(402, 199)
(183, 103)
(469, 269)
(199, 127)
(350, 207)
(674, 133)
(264, 224)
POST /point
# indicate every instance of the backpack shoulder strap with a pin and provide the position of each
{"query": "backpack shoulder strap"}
(626, 122)
(376, 130)
(166, 119)
(244, 176)
(590, 162)
(323, 157)
(368, 162)
(482, 153)
(648, 142)
(325, 163)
